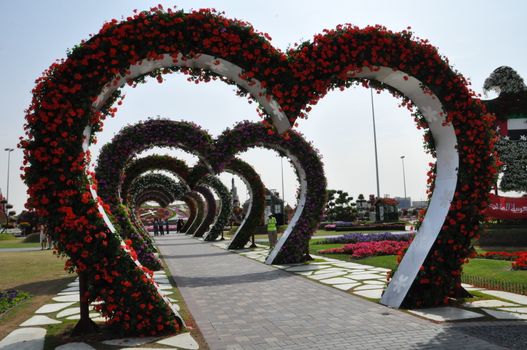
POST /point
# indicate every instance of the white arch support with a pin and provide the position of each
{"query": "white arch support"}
(445, 183)
(203, 61)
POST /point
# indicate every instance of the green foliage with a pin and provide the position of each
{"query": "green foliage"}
(32, 238)
(6, 237)
(10, 298)
(340, 206)
(513, 153)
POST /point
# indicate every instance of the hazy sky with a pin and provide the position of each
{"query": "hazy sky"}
(476, 36)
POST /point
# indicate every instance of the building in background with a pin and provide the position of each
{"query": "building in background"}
(274, 205)
(404, 203)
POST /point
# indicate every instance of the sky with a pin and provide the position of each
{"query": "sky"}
(476, 37)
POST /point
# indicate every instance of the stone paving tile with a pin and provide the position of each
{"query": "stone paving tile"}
(268, 306)
(488, 303)
(51, 308)
(371, 294)
(520, 310)
(503, 315)
(515, 298)
(446, 313)
(30, 338)
(39, 320)
(326, 275)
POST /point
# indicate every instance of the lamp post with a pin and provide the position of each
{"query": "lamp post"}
(284, 221)
(8, 150)
(404, 177)
(375, 145)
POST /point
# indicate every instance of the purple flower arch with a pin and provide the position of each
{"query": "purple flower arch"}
(293, 245)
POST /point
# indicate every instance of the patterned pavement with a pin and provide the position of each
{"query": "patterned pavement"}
(240, 303)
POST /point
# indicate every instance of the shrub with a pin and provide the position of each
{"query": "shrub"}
(10, 298)
(32, 238)
(366, 249)
(6, 237)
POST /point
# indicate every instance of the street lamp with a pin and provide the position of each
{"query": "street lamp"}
(375, 144)
(283, 198)
(8, 150)
(404, 177)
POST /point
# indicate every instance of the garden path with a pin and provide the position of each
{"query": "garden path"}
(240, 303)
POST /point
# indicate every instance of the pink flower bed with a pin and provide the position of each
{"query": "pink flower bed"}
(365, 249)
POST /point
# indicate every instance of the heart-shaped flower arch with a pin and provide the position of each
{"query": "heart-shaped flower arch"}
(256, 189)
(75, 94)
(199, 228)
(293, 244)
(163, 198)
(195, 216)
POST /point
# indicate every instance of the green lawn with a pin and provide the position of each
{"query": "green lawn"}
(17, 243)
(40, 273)
(494, 271)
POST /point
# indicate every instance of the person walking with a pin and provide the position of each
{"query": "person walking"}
(161, 231)
(167, 227)
(43, 236)
(179, 225)
(156, 227)
(271, 231)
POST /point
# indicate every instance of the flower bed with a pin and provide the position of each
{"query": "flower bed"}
(367, 237)
(520, 263)
(10, 298)
(366, 249)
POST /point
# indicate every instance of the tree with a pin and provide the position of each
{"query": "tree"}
(513, 154)
(340, 206)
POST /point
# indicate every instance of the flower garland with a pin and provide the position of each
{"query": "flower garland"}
(255, 212)
(197, 210)
(139, 166)
(162, 198)
(115, 155)
(154, 181)
(246, 135)
(199, 228)
(225, 206)
(67, 98)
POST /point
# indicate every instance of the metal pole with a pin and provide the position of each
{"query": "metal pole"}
(375, 144)
(8, 150)
(404, 177)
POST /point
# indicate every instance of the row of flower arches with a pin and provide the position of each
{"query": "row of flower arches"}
(74, 95)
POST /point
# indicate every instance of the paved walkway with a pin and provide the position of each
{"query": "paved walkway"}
(239, 303)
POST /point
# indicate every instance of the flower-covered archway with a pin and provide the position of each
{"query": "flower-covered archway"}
(199, 228)
(163, 198)
(256, 207)
(153, 181)
(138, 166)
(197, 210)
(74, 96)
(292, 247)
(225, 206)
